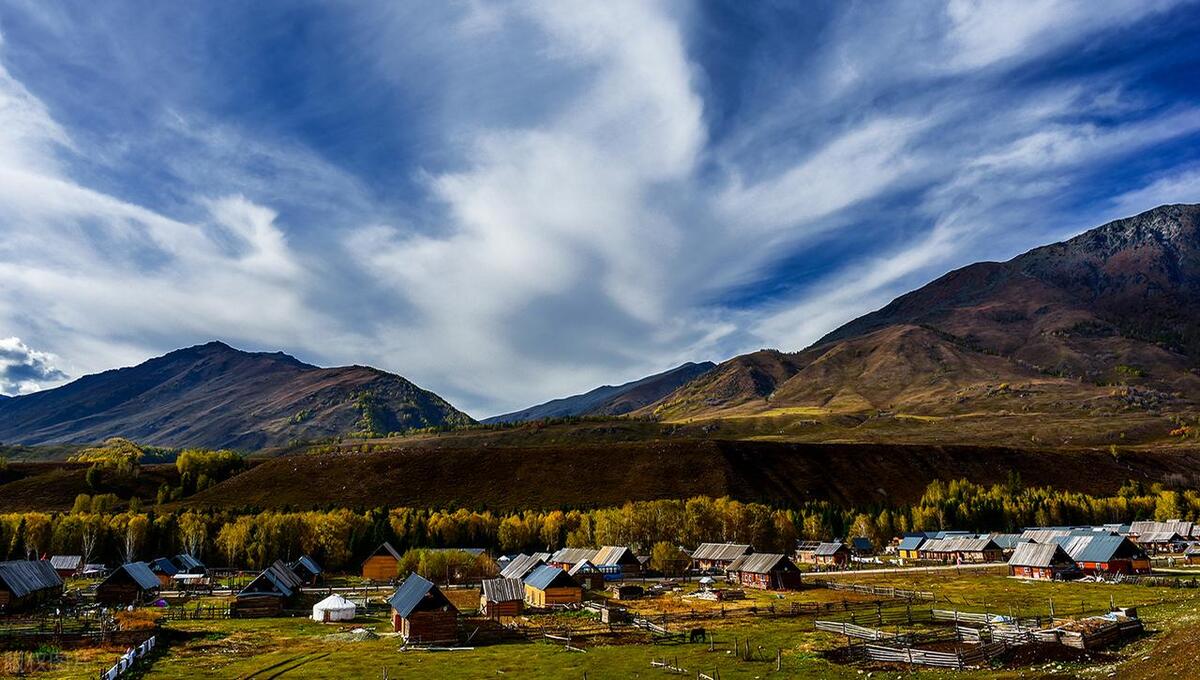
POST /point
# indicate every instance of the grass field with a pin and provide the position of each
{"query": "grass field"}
(299, 648)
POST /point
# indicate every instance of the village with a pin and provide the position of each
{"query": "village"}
(1067, 595)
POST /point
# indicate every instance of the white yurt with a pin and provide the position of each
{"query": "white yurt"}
(333, 608)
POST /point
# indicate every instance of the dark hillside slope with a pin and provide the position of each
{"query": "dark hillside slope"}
(216, 396)
(514, 478)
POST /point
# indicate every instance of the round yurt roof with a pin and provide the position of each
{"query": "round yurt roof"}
(334, 603)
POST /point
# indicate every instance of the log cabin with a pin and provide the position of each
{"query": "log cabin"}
(502, 597)
(383, 564)
(618, 560)
(67, 565)
(548, 585)
(1042, 561)
(164, 569)
(130, 583)
(718, 556)
(307, 570)
(421, 613)
(831, 554)
(27, 583)
(765, 571)
(269, 593)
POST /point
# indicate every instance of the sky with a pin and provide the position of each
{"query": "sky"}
(512, 202)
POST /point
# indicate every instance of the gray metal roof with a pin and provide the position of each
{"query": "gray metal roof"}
(23, 577)
(66, 561)
(584, 567)
(762, 563)
(418, 592)
(828, 549)
(861, 543)
(503, 589)
(162, 565)
(573, 555)
(911, 542)
(521, 565)
(1181, 527)
(138, 572)
(188, 563)
(726, 552)
(959, 544)
(1100, 548)
(547, 576)
(1029, 554)
(1007, 541)
(277, 579)
(611, 555)
(308, 563)
(385, 548)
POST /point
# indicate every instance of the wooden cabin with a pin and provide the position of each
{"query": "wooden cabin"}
(421, 613)
(188, 564)
(520, 566)
(569, 557)
(861, 546)
(269, 593)
(1042, 561)
(1107, 555)
(27, 583)
(962, 550)
(765, 571)
(67, 565)
(383, 564)
(617, 559)
(910, 547)
(1162, 543)
(502, 597)
(718, 556)
(831, 554)
(164, 569)
(307, 570)
(588, 575)
(548, 585)
(131, 583)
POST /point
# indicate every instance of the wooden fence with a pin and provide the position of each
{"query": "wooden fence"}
(960, 660)
(869, 589)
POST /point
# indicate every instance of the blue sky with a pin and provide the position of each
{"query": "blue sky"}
(510, 202)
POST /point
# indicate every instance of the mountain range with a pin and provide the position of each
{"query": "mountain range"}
(1103, 323)
(1105, 319)
(611, 400)
(216, 396)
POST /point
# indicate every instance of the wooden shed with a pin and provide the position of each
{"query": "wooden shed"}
(164, 569)
(910, 547)
(189, 565)
(421, 613)
(831, 554)
(569, 557)
(1107, 555)
(718, 556)
(269, 593)
(502, 597)
(617, 559)
(549, 585)
(520, 566)
(307, 570)
(1192, 554)
(67, 565)
(587, 575)
(1043, 561)
(27, 583)
(765, 571)
(130, 583)
(383, 564)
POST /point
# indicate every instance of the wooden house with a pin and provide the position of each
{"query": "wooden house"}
(269, 593)
(502, 597)
(588, 575)
(1107, 555)
(548, 585)
(307, 570)
(617, 559)
(520, 566)
(569, 557)
(164, 569)
(805, 550)
(910, 547)
(1043, 561)
(765, 571)
(831, 554)
(27, 583)
(861, 546)
(131, 583)
(962, 550)
(718, 556)
(1162, 543)
(383, 564)
(421, 613)
(189, 565)
(67, 565)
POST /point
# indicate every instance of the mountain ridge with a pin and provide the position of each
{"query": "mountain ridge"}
(216, 396)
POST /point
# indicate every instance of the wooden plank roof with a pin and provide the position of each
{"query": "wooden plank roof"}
(721, 552)
(503, 589)
(23, 577)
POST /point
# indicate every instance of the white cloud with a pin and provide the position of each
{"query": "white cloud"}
(24, 370)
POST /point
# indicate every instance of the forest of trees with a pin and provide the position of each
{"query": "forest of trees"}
(339, 538)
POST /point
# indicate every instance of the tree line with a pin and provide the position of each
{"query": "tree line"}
(341, 538)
